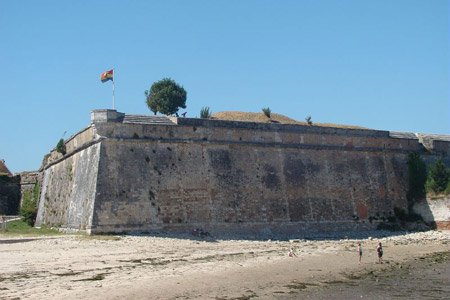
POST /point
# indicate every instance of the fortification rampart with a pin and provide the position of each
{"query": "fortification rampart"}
(133, 173)
(435, 211)
(9, 195)
(14, 189)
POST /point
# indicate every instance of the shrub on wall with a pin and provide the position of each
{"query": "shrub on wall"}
(266, 111)
(61, 147)
(28, 211)
(438, 178)
(205, 113)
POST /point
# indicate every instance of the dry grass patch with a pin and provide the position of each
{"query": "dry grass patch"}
(274, 118)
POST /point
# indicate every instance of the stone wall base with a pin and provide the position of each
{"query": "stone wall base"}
(442, 225)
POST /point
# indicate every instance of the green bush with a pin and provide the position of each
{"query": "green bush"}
(438, 178)
(61, 147)
(266, 111)
(308, 120)
(205, 113)
(28, 210)
(166, 96)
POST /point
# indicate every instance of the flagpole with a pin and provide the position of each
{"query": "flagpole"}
(114, 75)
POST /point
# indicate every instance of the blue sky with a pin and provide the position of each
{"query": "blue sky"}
(377, 64)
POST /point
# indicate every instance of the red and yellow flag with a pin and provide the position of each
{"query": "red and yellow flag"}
(108, 75)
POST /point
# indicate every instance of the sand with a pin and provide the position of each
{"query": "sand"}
(185, 267)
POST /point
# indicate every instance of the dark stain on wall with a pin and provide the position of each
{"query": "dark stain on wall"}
(270, 178)
(399, 167)
(277, 209)
(299, 210)
(294, 170)
(220, 160)
(321, 209)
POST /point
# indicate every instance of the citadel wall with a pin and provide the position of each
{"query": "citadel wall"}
(68, 190)
(9, 195)
(435, 211)
(136, 176)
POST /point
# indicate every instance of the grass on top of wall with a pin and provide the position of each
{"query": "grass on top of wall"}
(20, 227)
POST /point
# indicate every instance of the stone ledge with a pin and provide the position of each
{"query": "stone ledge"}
(106, 115)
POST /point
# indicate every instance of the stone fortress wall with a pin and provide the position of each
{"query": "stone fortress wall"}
(9, 195)
(13, 190)
(128, 173)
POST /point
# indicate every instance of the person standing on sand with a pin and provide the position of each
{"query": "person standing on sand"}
(380, 253)
(292, 253)
(359, 251)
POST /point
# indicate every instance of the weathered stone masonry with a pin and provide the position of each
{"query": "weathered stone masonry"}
(13, 189)
(141, 174)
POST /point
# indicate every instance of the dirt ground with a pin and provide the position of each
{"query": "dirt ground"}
(184, 267)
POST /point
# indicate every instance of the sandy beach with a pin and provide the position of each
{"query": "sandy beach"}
(185, 267)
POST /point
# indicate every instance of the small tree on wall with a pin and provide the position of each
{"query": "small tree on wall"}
(267, 112)
(438, 178)
(61, 147)
(165, 96)
(28, 210)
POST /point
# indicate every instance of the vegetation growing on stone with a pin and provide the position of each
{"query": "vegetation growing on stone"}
(205, 112)
(28, 211)
(266, 112)
(274, 117)
(308, 120)
(166, 97)
(438, 178)
(420, 182)
(61, 147)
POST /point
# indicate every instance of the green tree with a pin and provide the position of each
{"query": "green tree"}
(166, 96)
(28, 210)
(266, 111)
(438, 177)
(61, 147)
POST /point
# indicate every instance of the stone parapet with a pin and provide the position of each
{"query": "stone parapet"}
(211, 123)
(106, 115)
(304, 138)
(439, 143)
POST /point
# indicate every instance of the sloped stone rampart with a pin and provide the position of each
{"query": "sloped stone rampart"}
(225, 177)
(68, 191)
(153, 185)
(435, 211)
